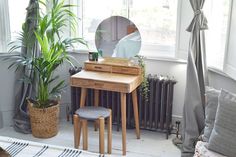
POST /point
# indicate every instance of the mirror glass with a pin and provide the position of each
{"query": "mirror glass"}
(117, 36)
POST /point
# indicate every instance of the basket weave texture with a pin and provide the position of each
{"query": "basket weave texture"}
(44, 121)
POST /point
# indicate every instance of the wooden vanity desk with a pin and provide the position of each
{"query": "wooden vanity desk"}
(111, 74)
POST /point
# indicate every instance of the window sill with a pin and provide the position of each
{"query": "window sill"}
(166, 59)
(220, 72)
(182, 61)
(158, 58)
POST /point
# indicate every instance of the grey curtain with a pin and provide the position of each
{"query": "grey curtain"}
(193, 112)
(29, 50)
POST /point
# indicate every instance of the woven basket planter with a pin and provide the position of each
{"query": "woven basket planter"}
(44, 122)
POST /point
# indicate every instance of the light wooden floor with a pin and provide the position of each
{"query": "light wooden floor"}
(151, 144)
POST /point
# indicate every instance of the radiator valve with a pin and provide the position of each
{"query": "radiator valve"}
(177, 128)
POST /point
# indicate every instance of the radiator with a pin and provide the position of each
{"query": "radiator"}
(154, 114)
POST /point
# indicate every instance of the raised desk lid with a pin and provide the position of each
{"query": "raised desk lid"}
(114, 62)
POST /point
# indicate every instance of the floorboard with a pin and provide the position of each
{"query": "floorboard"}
(151, 144)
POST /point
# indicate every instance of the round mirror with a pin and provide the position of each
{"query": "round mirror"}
(117, 36)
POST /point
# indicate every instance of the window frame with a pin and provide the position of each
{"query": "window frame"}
(180, 53)
(178, 27)
(177, 34)
(183, 53)
(227, 37)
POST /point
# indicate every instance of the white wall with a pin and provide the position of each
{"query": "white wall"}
(7, 80)
(159, 67)
(176, 69)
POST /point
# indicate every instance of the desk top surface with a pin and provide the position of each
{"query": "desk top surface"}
(106, 81)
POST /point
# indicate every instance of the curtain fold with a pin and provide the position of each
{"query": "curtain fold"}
(5, 33)
(193, 111)
(29, 50)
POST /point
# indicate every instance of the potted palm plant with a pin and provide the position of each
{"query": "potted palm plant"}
(44, 111)
(47, 34)
(44, 108)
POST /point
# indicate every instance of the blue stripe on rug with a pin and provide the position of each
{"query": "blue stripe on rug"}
(40, 152)
(19, 149)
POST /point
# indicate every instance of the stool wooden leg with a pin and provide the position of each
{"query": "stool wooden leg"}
(85, 134)
(109, 134)
(79, 131)
(101, 135)
(96, 103)
(76, 122)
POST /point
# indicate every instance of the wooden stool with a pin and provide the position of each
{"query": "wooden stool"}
(96, 114)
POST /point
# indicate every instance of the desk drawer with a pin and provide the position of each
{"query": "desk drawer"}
(80, 83)
(94, 67)
(100, 85)
(126, 70)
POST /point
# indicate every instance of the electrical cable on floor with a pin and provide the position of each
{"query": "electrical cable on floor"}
(177, 141)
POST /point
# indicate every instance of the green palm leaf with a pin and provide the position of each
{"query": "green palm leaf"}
(53, 46)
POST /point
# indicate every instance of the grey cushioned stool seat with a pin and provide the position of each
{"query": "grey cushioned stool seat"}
(97, 114)
(92, 112)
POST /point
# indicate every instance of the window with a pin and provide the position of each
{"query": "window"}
(158, 37)
(162, 24)
(217, 13)
(17, 11)
(92, 12)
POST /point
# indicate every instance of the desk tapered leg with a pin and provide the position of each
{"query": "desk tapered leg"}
(83, 96)
(96, 103)
(123, 119)
(136, 118)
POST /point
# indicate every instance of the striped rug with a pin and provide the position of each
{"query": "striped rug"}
(22, 148)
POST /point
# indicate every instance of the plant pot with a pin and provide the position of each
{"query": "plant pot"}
(44, 121)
